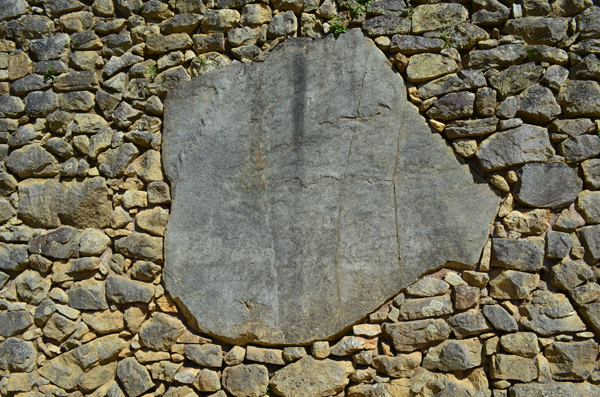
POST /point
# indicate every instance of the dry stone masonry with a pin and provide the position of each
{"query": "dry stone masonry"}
(149, 149)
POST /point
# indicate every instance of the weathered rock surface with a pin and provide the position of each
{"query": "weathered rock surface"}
(50, 203)
(294, 188)
(409, 336)
(566, 389)
(552, 185)
(309, 377)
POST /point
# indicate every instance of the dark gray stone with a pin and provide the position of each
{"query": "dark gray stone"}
(62, 243)
(524, 144)
(572, 360)
(550, 314)
(277, 212)
(500, 318)
(23, 135)
(56, 8)
(12, 9)
(553, 185)
(558, 245)
(386, 25)
(123, 290)
(55, 47)
(537, 105)
(17, 355)
(580, 98)
(88, 295)
(463, 80)
(488, 13)
(13, 257)
(32, 82)
(470, 128)
(580, 148)
(43, 312)
(468, 323)
(588, 23)
(134, 377)
(538, 30)
(568, 274)
(501, 56)
(11, 323)
(161, 332)
(407, 44)
(453, 106)
(590, 238)
(30, 27)
(516, 254)
(77, 81)
(40, 103)
(11, 106)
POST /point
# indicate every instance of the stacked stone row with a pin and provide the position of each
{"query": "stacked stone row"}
(511, 85)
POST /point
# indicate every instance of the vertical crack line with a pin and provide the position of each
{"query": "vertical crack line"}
(339, 226)
(394, 182)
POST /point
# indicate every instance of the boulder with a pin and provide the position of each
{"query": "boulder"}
(263, 307)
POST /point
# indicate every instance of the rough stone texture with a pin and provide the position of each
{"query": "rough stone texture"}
(558, 389)
(516, 254)
(309, 377)
(454, 355)
(50, 203)
(572, 360)
(500, 318)
(246, 380)
(550, 314)
(520, 145)
(412, 335)
(272, 203)
(547, 185)
(134, 377)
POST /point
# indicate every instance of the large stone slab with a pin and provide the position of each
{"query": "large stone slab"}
(307, 191)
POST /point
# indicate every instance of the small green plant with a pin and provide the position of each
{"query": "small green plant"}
(337, 27)
(152, 72)
(409, 12)
(531, 53)
(49, 72)
(270, 392)
(448, 40)
(598, 131)
(360, 8)
(201, 60)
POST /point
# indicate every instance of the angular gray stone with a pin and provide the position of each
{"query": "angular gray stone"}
(580, 98)
(516, 254)
(500, 318)
(55, 47)
(11, 323)
(453, 106)
(591, 173)
(88, 295)
(454, 355)
(208, 355)
(488, 13)
(414, 309)
(524, 144)
(308, 377)
(580, 148)
(572, 360)
(428, 286)
(516, 78)
(549, 314)
(463, 80)
(384, 25)
(296, 195)
(501, 56)
(409, 336)
(12, 9)
(553, 185)
(538, 30)
(141, 246)
(17, 355)
(511, 284)
(407, 44)
(122, 290)
(524, 344)
(558, 389)
(537, 105)
(468, 323)
(558, 245)
(590, 239)
(13, 257)
(568, 274)
(32, 287)
(62, 243)
(160, 332)
(470, 128)
(246, 380)
(134, 377)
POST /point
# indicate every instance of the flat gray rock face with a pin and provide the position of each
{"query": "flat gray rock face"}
(307, 191)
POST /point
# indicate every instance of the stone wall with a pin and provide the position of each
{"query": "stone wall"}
(513, 89)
